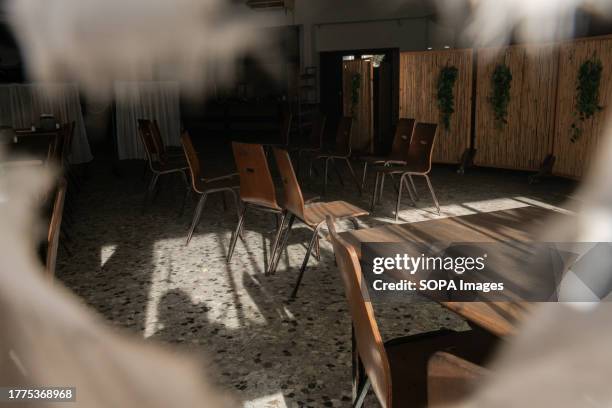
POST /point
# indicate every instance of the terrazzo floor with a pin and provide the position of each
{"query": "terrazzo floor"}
(134, 269)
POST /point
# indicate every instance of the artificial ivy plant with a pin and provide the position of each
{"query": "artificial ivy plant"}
(500, 82)
(355, 85)
(587, 94)
(446, 99)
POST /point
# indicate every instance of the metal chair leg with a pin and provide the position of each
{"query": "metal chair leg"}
(196, 217)
(283, 245)
(374, 193)
(317, 250)
(416, 194)
(412, 198)
(433, 194)
(382, 188)
(325, 177)
(365, 172)
(276, 239)
(362, 394)
(236, 233)
(399, 197)
(237, 205)
(348, 162)
(305, 263)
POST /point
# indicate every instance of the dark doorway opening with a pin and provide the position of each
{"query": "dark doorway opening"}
(386, 92)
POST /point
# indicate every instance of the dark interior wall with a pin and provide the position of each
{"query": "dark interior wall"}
(11, 65)
(249, 109)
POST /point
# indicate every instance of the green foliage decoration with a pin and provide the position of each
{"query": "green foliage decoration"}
(446, 99)
(501, 81)
(587, 94)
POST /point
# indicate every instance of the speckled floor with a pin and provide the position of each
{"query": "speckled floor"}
(135, 270)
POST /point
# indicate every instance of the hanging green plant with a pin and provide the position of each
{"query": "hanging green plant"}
(446, 99)
(587, 94)
(501, 81)
(355, 86)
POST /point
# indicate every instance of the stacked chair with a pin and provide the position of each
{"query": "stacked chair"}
(418, 163)
(396, 370)
(205, 186)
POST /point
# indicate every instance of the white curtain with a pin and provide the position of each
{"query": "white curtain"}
(146, 100)
(22, 104)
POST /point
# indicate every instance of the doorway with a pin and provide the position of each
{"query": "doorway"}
(385, 92)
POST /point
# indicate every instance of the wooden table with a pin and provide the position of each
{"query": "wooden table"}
(518, 225)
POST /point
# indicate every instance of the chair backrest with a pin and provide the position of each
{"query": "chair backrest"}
(421, 147)
(343, 135)
(317, 130)
(294, 201)
(157, 139)
(369, 342)
(401, 139)
(146, 135)
(54, 228)
(192, 159)
(256, 183)
(285, 129)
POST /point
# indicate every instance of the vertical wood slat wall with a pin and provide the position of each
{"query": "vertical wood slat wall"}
(419, 73)
(573, 159)
(363, 127)
(527, 138)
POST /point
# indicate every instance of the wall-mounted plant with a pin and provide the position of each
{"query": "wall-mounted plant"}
(355, 86)
(501, 81)
(446, 99)
(587, 94)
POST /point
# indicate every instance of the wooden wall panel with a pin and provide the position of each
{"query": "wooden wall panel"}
(527, 138)
(573, 159)
(419, 73)
(363, 129)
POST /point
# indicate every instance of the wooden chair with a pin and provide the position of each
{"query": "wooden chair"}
(158, 167)
(311, 214)
(396, 370)
(451, 379)
(257, 190)
(55, 224)
(205, 186)
(165, 152)
(399, 149)
(418, 164)
(315, 140)
(342, 151)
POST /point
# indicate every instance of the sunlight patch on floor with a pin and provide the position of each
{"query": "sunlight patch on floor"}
(231, 306)
(106, 252)
(269, 401)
